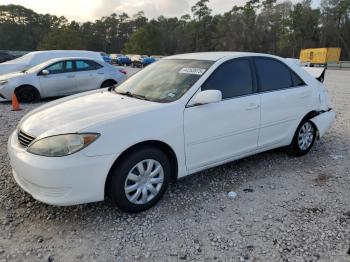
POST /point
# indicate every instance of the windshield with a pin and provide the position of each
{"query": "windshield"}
(34, 69)
(166, 80)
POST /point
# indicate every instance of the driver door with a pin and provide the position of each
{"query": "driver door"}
(218, 132)
(60, 81)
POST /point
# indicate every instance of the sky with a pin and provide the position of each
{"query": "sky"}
(90, 10)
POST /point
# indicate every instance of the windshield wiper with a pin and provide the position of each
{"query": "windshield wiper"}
(129, 94)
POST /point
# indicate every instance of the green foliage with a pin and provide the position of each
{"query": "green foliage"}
(268, 26)
(144, 41)
(201, 9)
(62, 39)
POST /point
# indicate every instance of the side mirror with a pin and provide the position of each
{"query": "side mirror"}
(207, 97)
(45, 72)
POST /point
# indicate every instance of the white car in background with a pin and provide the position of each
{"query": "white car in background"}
(35, 58)
(181, 115)
(60, 77)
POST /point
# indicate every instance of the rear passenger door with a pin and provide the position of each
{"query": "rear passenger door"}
(284, 98)
(218, 132)
(90, 75)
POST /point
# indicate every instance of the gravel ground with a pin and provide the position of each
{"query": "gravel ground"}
(287, 209)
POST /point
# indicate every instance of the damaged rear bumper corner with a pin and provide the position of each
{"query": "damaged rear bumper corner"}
(323, 121)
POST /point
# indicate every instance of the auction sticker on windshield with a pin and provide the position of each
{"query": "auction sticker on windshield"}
(192, 71)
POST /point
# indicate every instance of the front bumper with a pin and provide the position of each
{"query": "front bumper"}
(62, 181)
(5, 93)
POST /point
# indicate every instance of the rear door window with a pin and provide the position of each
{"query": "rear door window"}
(297, 81)
(272, 74)
(86, 65)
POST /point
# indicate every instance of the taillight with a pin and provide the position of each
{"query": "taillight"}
(123, 71)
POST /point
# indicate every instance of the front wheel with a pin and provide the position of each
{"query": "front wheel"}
(27, 94)
(140, 180)
(108, 83)
(304, 138)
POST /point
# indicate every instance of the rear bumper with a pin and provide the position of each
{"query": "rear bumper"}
(62, 181)
(324, 121)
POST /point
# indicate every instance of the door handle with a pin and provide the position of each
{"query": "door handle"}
(101, 73)
(252, 107)
(70, 76)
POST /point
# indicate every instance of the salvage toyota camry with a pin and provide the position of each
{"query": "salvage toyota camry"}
(183, 114)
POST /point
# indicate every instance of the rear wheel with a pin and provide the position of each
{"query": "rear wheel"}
(108, 83)
(140, 180)
(304, 138)
(27, 94)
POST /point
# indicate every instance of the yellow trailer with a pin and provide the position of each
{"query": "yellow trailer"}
(320, 56)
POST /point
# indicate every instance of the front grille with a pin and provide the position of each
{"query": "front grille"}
(24, 139)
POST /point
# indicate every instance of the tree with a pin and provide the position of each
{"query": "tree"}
(267, 26)
(22, 28)
(201, 9)
(62, 39)
(200, 27)
(304, 26)
(335, 18)
(145, 41)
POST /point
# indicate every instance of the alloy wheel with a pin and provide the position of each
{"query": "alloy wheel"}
(306, 136)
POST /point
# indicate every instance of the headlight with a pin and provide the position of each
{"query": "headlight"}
(62, 145)
(2, 82)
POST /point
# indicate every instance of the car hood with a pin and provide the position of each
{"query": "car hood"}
(77, 113)
(11, 75)
(6, 68)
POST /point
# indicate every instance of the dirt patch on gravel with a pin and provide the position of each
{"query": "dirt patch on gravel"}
(287, 209)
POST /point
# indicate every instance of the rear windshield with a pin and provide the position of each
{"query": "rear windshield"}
(26, 59)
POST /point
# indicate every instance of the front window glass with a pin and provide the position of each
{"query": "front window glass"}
(56, 68)
(233, 79)
(166, 80)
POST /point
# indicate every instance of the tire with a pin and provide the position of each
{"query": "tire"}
(27, 94)
(108, 83)
(304, 138)
(133, 192)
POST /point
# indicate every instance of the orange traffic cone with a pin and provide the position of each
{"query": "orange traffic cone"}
(15, 103)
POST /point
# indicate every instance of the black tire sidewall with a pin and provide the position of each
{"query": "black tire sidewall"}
(107, 83)
(294, 147)
(21, 93)
(120, 172)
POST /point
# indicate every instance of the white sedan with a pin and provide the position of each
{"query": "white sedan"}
(181, 115)
(59, 77)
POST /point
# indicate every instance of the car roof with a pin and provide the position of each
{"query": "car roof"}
(71, 58)
(61, 51)
(215, 56)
